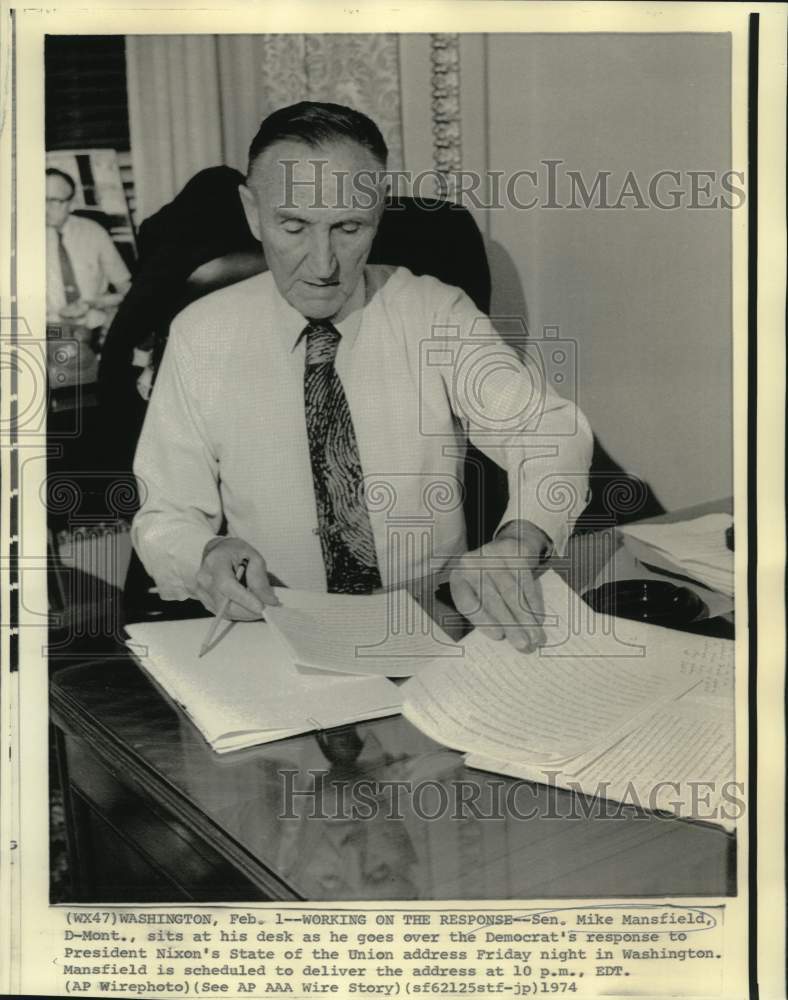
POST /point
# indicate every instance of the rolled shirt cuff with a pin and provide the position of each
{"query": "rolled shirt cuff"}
(557, 524)
(173, 559)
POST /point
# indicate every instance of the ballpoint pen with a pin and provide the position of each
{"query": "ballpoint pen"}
(239, 574)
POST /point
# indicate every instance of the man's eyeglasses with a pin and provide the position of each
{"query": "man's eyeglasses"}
(58, 201)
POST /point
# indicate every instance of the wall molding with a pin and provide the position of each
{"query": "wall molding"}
(446, 107)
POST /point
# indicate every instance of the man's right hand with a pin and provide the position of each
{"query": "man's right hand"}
(216, 580)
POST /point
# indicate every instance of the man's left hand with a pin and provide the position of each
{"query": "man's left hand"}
(496, 588)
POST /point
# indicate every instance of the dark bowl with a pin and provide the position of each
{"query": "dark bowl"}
(655, 601)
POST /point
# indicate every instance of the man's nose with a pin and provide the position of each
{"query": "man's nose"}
(322, 257)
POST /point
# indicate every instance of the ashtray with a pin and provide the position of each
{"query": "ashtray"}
(655, 601)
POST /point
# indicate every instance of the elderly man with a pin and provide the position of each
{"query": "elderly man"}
(312, 409)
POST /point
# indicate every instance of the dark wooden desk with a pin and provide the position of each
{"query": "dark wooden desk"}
(154, 815)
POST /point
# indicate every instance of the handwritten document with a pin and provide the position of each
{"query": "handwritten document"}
(680, 759)
(658, 710)
(545, 707)
(498, 700)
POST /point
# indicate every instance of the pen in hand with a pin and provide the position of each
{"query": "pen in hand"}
(222, 611)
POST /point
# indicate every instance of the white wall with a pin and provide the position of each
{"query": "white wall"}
(645, 293)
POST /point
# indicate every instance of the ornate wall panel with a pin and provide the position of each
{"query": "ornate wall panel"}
(359, 70)
(445, 104)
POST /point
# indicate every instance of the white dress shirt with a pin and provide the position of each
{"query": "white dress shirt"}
(94, 258)
(225, 433)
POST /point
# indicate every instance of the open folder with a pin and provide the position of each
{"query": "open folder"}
(320, 660)
(249, 690)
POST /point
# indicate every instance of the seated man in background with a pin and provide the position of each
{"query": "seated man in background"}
(83, 264)
(310, 408)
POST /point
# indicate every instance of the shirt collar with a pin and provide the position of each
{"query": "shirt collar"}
(292, 323)
(55, 233)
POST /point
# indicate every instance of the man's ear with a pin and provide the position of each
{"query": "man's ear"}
(249, 203)
(384, 198)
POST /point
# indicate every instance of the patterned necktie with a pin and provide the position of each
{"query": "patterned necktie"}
(70, 286)
(343, 520)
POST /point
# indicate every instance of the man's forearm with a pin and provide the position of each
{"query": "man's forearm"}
(180, 507)
(550, 491)
(171, 548)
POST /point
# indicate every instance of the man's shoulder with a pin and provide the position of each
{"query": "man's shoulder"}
(226, 310)
(400, 290)
(85, 228)
(399, 284)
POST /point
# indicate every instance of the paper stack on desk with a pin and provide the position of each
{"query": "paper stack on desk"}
(248, 689)
(383, 635)
(320, 660)
(695, 549)
(609, 707)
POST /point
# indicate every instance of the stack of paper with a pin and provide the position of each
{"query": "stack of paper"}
(248, 689)
(384, 635)
(611, 707)
(696, 549)
(321, 660)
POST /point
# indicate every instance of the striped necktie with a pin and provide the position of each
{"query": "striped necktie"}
(70, 286)
(343, 520)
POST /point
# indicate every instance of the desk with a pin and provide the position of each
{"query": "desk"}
(154, 815)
